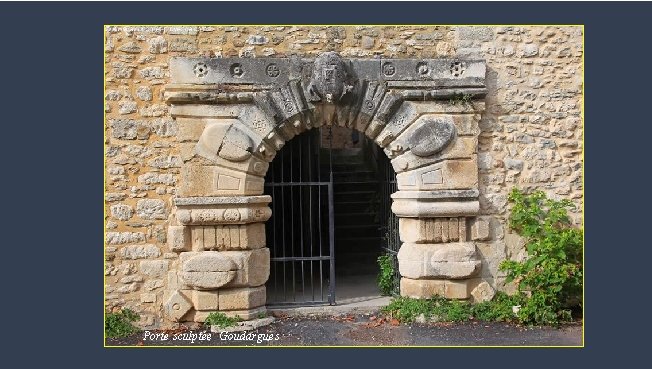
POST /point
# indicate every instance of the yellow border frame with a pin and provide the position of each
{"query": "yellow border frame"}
(348, 25)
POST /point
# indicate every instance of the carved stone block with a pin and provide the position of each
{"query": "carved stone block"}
(449, 174)
(460, 148)
(428, 135)
(409, 114)
(230, 182)
(253, 267)
(427, 288)
(178, 238)
(483, 292)
(432, 230)
(444, 260)
(206, 300)
(242, 298)
(480, 229)
(176, 306)
(228, 237)
(207, 270)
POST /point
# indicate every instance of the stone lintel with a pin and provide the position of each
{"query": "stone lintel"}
(278, 71)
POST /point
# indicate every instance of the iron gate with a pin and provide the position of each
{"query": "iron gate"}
(300, 232)
(389, 220)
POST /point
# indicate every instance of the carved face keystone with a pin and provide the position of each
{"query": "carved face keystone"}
(328, 81)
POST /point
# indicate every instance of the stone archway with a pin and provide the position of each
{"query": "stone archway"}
(234, 114)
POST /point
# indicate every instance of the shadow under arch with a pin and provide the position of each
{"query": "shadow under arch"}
(329, 179)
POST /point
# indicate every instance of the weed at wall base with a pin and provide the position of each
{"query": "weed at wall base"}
(386, 275)
(220, 320)
(120, 324)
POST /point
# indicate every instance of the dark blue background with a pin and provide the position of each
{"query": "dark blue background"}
(51, 73)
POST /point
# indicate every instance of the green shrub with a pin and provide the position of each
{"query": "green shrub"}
(120, 324)
(386, 275)
(456, 311)
(551, 275)
(220, 320)
(406, 309)
(499, 309)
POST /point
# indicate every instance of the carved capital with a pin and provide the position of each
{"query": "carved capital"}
(223, 210)
(432, 204)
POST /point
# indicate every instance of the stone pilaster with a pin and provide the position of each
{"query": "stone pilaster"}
(437, 202)
(437, 256)
(223, 261)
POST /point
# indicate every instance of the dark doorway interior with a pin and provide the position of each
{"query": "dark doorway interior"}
(328, 184)
(365, 228)
(358, 236)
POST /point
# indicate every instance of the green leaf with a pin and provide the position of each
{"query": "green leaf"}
(552, 271)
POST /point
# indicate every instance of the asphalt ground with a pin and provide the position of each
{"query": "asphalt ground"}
(363, 330)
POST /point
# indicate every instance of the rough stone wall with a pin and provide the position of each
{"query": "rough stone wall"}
(531, 131)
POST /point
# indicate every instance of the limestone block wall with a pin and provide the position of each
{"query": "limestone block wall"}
(530, 137)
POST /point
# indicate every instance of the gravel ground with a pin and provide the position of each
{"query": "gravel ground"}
(365, 330)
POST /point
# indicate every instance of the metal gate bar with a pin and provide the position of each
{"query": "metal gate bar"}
(389, 220)
(297, 241)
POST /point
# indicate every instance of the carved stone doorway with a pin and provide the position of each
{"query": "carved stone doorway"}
(234, 115)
